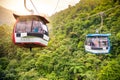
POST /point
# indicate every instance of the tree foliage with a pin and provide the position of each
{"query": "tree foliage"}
(65, 57)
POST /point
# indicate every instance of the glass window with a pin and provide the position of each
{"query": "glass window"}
(23, 26)
(37, 27)
(20, 28)
(44, 27)
(104, 41)
(28, 26)
(97, 42)
(34, 26)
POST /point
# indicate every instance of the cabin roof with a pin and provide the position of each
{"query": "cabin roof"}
(28, 16)
(98, 35)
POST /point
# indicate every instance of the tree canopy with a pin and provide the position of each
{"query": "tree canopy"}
(65, 57)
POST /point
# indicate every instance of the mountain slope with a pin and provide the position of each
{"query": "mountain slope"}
(6, 16)
(73, 24)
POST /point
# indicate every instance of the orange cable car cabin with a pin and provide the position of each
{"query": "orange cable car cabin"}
(30, 31)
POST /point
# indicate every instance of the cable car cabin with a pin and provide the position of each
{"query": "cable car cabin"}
(30, 31)
(97, 43)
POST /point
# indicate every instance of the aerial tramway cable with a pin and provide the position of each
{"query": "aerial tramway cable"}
(100, 12)
(56, 6)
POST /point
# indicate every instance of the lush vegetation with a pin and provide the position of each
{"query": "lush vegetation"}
(65, 58)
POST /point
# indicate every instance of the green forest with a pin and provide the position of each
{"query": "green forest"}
(65, 57)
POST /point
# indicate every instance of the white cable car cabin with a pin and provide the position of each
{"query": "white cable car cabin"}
(97, 43)
(30, 31)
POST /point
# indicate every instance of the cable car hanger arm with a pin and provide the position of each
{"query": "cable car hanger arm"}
(27, 8)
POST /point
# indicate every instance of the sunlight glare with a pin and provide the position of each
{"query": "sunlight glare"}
(44, 7)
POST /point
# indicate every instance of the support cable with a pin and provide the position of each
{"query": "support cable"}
(100, 13)
(56, 5)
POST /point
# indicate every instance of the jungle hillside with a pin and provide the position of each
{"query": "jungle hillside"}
(65, 57)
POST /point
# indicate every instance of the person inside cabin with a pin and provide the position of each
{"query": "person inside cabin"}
(104, 42)
(96, 42)
(35, 26)
(44, 28)
(41, 28)
(38, 27)
(91, 40)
